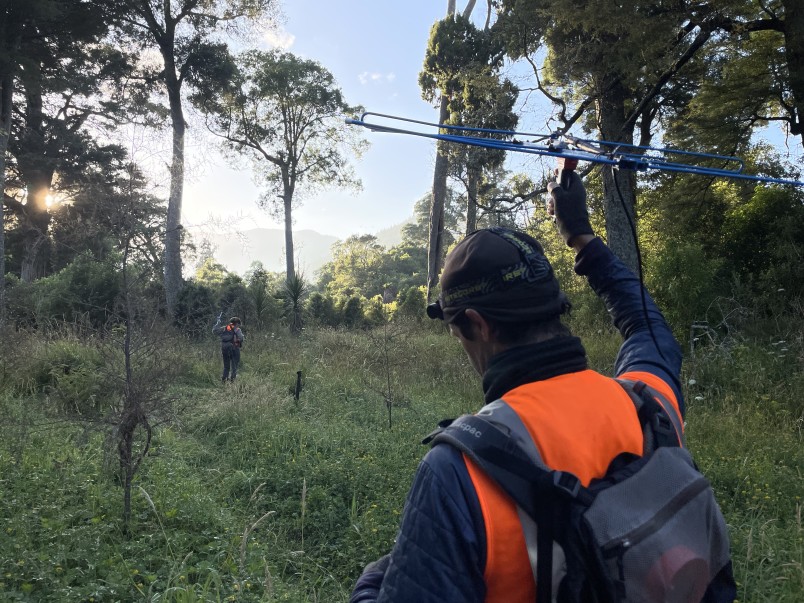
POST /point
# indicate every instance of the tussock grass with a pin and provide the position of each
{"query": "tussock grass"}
(254, 496)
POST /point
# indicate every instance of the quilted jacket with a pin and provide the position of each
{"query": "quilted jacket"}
(439, 554)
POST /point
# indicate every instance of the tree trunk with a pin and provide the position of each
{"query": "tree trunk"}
(10, 47)
(127, 474)
(36, 221)
(173, 267)
(6, 83)
(470, 6)
(34, 240)
(794, 51)
(290, 265)
(472, 179)
(435, 249)
(619, 196)
(36, 169)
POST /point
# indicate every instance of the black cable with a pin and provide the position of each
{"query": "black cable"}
(639, 263)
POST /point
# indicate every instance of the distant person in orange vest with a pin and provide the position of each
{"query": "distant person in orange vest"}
(231, 342)
(461, 538)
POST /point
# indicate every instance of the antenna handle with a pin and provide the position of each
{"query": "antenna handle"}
(565, 165)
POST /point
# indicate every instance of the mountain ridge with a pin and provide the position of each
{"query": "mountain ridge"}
(312, 249)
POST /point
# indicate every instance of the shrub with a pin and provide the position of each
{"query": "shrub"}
(267, 308)
(84, 290)
(235, 300)
(411, 303)
(294, 293)
(772, 222)
(352, 312)
(681, 280)
(321, 309)
(71, 374)
(374, 311)
(195, 310)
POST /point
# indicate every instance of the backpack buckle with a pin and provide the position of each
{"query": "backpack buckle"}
(567, 483)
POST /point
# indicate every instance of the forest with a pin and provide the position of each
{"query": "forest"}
(128, 472)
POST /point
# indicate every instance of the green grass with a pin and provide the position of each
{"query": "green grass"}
(745, 423)
(248, 495)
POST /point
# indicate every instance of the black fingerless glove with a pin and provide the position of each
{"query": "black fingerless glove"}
(572, 217)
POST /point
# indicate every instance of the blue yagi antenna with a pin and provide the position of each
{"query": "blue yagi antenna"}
(563, 146)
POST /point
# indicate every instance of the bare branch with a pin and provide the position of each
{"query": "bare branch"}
(567, 122)
(701, 39)
(553, 99)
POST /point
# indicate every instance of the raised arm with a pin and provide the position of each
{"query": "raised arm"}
(649, 348)
(216, 330)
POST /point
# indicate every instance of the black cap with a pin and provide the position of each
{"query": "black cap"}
(501, 273)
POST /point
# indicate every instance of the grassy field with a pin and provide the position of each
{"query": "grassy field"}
(250, 495)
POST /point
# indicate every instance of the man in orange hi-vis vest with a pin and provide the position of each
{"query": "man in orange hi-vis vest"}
(461, 537)
(231, 342)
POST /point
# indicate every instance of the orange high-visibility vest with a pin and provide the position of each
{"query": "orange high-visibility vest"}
(235, 340)
(579, 422)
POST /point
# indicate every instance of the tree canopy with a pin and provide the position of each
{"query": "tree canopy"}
(703, 77)
(185, 33)
(286, 114)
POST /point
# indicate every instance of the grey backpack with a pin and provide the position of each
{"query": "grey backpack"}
(650, 530)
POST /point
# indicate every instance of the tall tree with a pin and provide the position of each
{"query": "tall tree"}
(356, 267)
(418, 232)
(111, 212)
(183, 31)
(53, 64)
(286, 115)
(503, 199)
(436, 248)
(759, 65)
(11, 17)
(361, 266)
(486, 101)
(794, 49)
(8, 47)
(614, 68)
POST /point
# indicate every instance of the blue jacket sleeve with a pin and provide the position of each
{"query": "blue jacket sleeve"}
(649, 344)
(439, 553)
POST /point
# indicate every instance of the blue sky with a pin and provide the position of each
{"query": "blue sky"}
(375, 50)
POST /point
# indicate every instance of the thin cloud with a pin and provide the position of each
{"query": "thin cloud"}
(375, 77)
(279, 38)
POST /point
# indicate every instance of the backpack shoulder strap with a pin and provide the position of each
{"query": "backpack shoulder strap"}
(661, 425)
(495, 452)
(491, 439)
(499, 443)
